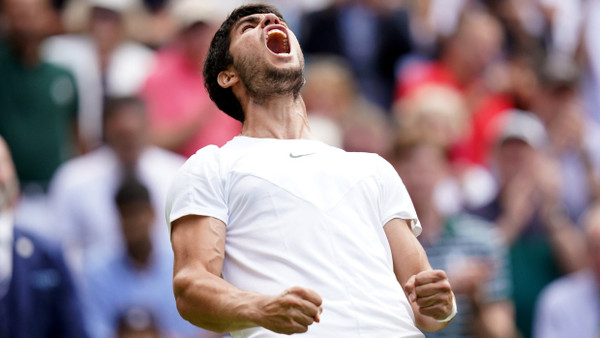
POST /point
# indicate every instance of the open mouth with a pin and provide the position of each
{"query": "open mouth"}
(277, 41)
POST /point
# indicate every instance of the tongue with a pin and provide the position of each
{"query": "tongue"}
(276, 44)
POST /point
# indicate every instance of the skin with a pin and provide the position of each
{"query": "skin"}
(592, 234)
(136, 225)
(208, 301)
(9, 185)
(530, 181)
(126, 132)
(421, 171)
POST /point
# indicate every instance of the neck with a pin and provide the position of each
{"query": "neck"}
(140, 254)
(28, 51)
(282, 117)
(462, 72)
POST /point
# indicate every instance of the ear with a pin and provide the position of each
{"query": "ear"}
(228, 77)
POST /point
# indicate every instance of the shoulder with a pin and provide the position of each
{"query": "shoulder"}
(566, 290)
(32, 247)
(206, 164)
(76, 42)
(134, 51)
(207, 157)
(83, 169)
(166, 159)
(58, 71)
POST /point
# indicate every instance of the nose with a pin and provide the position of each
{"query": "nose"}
(270, 19)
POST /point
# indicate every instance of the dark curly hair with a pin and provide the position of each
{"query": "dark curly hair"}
(218, 59)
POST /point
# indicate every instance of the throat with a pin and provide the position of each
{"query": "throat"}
(280, 119)
(278, 44)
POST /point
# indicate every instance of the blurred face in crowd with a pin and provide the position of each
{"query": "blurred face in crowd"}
(126, 132)
(266, 56)
(477, 41)
(196, 40)
(28, 20)
(514, 156)
(136, 223)
(9, 185)
(421, 170)
(106, 27)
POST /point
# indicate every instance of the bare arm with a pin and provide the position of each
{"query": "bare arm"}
(208, 301)
(428, 291)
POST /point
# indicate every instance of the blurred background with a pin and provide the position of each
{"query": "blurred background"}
(488, 109)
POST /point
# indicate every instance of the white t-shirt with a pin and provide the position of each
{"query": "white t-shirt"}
(302, 213)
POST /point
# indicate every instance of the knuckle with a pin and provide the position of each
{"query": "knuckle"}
(445, 286)
(291, 302)
(439, 274)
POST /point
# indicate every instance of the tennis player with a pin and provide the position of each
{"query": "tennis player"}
(277, 233)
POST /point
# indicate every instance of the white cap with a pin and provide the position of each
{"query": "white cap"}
(189, 12)
(119, 6)
(524, 126)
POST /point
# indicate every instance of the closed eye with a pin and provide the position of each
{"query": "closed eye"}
(246, 27)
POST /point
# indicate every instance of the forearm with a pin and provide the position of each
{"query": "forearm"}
(429, 292)
(567, 243)
(510, 228)
(212, 303)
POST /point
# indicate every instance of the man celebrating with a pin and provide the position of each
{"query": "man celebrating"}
(299, 231)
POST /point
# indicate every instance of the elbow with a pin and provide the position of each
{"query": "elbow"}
(191, 309)
(181, 290)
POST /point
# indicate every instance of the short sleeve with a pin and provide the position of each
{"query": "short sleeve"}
(394, 200)
(198, 188)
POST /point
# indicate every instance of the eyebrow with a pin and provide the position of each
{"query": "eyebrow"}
(249, 19)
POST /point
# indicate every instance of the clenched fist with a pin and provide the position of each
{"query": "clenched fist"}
(292, 311)
(431, 292)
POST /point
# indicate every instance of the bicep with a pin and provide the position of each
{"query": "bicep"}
(199, 243)
(408, 256)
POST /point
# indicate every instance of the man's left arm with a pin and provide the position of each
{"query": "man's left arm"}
(428, 291)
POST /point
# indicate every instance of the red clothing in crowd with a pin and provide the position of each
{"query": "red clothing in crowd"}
(485, 107)
(175, 95)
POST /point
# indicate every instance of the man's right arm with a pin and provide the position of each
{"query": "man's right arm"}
(206, 300)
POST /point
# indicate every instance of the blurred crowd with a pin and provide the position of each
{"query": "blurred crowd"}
(488, 109)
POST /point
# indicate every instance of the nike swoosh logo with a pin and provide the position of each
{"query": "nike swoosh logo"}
(300, 155)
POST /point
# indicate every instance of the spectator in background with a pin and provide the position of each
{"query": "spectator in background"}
(137, 275)
(543, 243)
(334, 103)
(574, 137)
(104, 61)
(182, 116)
(591, 46)
(465, 60)
(370, 38)
(83, 189)
(137, 322)
(37, 295)
(569, 306)
(440, 114)
(38, 105)
(467, 248)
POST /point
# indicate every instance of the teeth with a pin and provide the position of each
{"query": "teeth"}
(277, 31)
